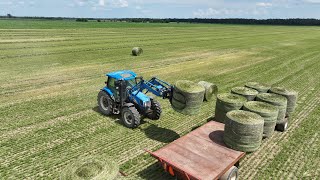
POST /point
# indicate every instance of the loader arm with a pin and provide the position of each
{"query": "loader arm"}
(156, 86)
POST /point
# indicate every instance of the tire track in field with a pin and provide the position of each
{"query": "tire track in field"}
(290, 168)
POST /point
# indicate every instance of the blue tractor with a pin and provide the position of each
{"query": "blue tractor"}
(125, 94)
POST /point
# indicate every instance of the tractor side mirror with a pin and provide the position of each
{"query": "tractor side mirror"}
(139, 79)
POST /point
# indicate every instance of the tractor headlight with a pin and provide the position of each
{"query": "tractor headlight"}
(147, 104)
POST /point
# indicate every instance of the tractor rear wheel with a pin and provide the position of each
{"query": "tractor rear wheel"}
(130, 117)
(105, 103)
(155, 110)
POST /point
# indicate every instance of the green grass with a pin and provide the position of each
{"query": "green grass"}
(52, 71)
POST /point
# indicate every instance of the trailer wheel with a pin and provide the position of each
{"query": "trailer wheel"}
(130, 117)
(105, 103)
(282, 126)
(231, 174)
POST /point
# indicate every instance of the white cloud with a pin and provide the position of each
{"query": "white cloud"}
(264, 4)
(101, 3)
(210, 12)
(119, 3)
(312, 1)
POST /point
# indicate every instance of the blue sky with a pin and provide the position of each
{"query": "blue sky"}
(164, 8)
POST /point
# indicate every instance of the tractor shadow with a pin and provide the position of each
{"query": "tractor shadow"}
(160, 134)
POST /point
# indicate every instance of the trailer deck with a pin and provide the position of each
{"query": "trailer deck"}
(201, 154)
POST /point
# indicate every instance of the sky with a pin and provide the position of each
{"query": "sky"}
(163, 8)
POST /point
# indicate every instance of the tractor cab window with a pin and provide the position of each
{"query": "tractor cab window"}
(112, 86)
(131, 83)
(111, 82)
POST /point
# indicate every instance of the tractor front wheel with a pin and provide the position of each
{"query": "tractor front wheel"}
(105, 103)
(155, 110)
(130, 117)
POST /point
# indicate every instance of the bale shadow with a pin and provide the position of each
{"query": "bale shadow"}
(160, 134)
(154, 172)
(217, 137)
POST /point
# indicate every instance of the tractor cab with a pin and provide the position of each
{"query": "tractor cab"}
(128, 76)
(129, 85)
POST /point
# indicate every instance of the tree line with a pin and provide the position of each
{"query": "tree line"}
(292, 21)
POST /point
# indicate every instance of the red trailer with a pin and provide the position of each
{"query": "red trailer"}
(201, 154)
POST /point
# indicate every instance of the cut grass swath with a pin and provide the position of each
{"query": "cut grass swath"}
(96, 168)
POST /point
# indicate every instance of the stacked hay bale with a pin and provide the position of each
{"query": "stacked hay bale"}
(187, 97)
(211, 90)
(291, 96)
(227, 102)
(260, 87)
(137, 51)
(267, 111)
(248, 93)
(243, 130)
(276, 100)
(91, 168)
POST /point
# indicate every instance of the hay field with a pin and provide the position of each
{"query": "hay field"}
(51, 73)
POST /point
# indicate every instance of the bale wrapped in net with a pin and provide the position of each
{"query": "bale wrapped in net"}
(276, 100)
(267, 111)
(248, 93)
(211, 90)
(260, 87)
(137, 51)
(243, 130)
(96, 168)
(291, 96)
(187, 97)
(227, 102)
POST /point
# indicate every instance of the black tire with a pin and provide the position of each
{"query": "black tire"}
(130, 117)
(105, 103)
(282, 126)
(231, 174)
(156, 110)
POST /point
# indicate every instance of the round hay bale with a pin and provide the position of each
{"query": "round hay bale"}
(211, 90)
(267, 111)
(137, 51)
(291, 96)
(187, 97)
(91, 168)
(243, 130)
(276, 100)
(248, 93)
(227, 102)
(260, 87)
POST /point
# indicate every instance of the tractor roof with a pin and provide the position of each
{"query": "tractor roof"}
(126, 75)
